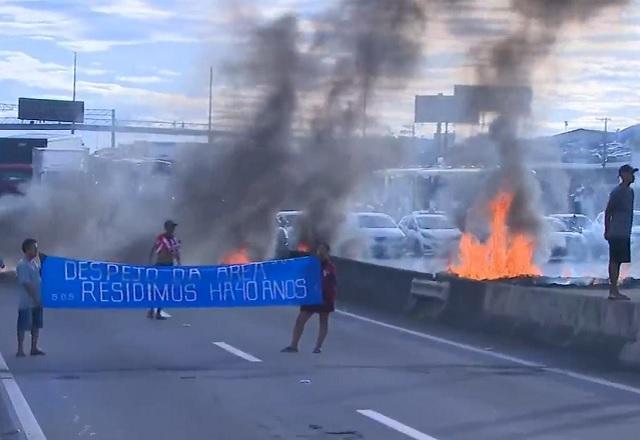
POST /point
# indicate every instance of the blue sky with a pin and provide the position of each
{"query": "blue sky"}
(149, 58)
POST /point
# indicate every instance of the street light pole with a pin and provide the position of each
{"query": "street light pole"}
(75, 71)
(604, 141)
(210, 102)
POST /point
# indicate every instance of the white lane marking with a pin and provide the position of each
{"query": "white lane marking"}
(395, 425)
(30, 425)
(498, 355)
(239, 353)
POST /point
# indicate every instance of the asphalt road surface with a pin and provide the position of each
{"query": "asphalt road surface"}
(117, 375)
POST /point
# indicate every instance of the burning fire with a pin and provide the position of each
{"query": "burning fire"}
(303, 247)
(503, 255)
(238, 256)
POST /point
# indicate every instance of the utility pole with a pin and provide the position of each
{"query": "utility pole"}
(604, 141)
(75, 70)
(210, 137)
(364, 114)
(113, 128)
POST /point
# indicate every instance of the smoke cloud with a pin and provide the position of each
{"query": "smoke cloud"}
(511, 62)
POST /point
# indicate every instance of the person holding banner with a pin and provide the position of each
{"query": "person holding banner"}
(165, 252)
(30, 312)
(329, 293)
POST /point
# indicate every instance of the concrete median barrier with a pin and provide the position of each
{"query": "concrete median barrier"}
(580, 319)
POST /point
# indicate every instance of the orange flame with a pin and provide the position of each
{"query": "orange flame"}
(303, 247)
(503, 255)
(238, 256)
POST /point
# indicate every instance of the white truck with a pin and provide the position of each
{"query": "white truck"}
(51, 163)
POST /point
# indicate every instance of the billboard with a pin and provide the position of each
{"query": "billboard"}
(50, 110)
(444, 108)
(495, 99)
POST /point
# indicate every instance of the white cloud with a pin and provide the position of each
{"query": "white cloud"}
(141, 79)
(135, 9)
(52, 78)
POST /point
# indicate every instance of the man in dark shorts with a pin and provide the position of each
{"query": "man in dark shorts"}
(165, 252)
(30, 314)
(618, 219)
(323, 310)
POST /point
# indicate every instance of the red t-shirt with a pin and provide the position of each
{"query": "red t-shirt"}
(329, 282)
(167, 248)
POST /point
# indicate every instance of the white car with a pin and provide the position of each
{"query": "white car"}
(371, 234)
(290, 220)
(429, 234)
(564, 243)
(599, 246)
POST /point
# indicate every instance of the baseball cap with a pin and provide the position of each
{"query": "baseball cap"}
(626, 168)
(170, 223)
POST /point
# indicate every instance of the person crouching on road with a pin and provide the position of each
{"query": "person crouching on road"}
(618, 220)
(329, 292)
(165, 252)
(30, 313)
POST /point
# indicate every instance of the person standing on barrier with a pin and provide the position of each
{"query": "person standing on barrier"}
(165, 252)
(30, 312)
(618, 219)
(329, 292)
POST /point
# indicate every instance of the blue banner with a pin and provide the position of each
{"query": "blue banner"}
(90, 284)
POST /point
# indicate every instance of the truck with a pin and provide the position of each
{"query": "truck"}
(17, 157)
(50, 164)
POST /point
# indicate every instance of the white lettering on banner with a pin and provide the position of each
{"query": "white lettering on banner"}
(301, 285)
(87, 289)
(162, 295)
(176, 297)
(70, 272)
(248, 294)
(117, 289)
(138, 292)
(213, 292)
(191, 293)
(112, 269)
(126, 273)
(266, 287)
(106, 283)
(228, 290)
(178, 273)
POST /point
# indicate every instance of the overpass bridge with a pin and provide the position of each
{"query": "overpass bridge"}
(104, 120)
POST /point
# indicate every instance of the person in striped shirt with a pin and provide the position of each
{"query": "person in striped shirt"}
(165, 252)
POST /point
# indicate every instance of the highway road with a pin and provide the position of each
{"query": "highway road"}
(218, 374)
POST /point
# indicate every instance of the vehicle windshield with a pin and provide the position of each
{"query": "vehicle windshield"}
(434, 222)
(375, 222)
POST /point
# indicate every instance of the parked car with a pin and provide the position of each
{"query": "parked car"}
(598, 246)
(290, 220)
(371, 234)
(429, 233)
(575, 222)
(564, 243)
